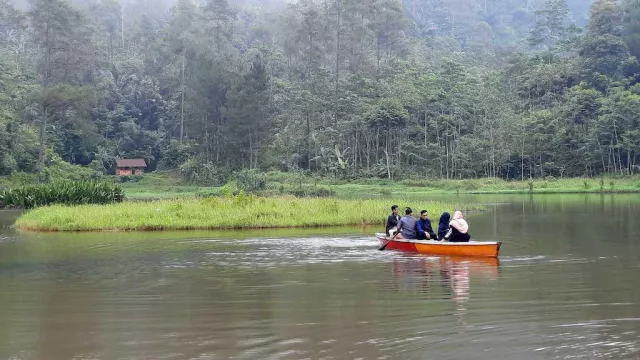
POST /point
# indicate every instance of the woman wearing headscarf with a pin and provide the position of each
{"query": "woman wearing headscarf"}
(443, 226)
(458, 229)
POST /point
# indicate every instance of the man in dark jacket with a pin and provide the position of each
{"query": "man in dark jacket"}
(392, 220)
(424, 229)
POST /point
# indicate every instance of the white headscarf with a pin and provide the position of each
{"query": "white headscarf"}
(459, 222)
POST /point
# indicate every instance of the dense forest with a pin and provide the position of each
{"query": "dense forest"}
(348, 88)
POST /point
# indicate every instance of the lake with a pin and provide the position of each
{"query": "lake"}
(565, 287)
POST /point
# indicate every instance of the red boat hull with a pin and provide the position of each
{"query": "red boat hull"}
(472, 248)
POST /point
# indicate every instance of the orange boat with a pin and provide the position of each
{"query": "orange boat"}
(472, 248)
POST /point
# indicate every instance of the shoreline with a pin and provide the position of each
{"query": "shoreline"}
(152, 230)
(158, 186)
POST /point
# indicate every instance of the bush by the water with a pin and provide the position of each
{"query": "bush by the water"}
(251, 180)
(61, 192)
(128, 178)
(313, 192)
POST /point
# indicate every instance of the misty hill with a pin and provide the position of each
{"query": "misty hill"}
(344, 88)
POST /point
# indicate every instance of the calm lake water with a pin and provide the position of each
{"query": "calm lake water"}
(565, 287)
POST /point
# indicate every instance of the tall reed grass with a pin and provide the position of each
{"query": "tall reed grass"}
(236, 212)
(61, 192)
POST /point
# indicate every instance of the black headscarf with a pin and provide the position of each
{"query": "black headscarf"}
(443, 227)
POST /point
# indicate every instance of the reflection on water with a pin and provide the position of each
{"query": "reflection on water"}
(565, 287)
(420, 273)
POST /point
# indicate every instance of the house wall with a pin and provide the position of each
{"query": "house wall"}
(129, 171)
(123, 171)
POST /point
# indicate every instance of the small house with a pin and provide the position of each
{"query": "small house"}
(130, 167)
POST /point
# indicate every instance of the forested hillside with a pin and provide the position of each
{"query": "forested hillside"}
(348, 88)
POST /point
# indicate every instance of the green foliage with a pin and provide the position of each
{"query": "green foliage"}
(313, 192)
(58, 169)
(631, 26)
(250, 180)
(17, 179)
(129, 178)
(552, 25)
(388, 114)
(195, 172)
(61, 192)
(346, 90)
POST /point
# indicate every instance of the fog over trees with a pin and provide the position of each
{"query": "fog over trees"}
(347, 88)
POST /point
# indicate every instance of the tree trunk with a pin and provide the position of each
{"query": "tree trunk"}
(439, 147)
(122, 25)
(182, 100)
(522, 160)
(250, 152)
(45, 84)
(388, 158)
(446, 146)
(41, 149)
(368, 142)
(355, 152)
(377, 145)
(425, 127)
(308, 142)
(335, 104)
(453, 22)
(206, 137)
(218, 116)
(378, 56)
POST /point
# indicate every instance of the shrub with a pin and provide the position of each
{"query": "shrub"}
(17, 179)
(250, 180)
(57, 170)
(128, 178)
(199, 173)
(62, 192)
(469, 185)
(313, 192)
(385, 192)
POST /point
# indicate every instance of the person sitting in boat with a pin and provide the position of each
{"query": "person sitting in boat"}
(407, 225)
(443, 226)
(392, 221)
(423, 228)
(458, 229)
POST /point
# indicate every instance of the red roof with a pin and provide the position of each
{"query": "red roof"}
(131, 163)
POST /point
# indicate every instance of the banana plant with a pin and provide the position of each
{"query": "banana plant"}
(340, 157)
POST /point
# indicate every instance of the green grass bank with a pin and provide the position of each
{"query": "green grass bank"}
(170, 185)
(163, 186)
(236, 212)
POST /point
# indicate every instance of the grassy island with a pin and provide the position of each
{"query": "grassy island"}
(234, 212)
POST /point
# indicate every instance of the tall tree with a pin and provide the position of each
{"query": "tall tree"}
(553, 27)
(61, 34)
(252, 117)
(632, 26)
